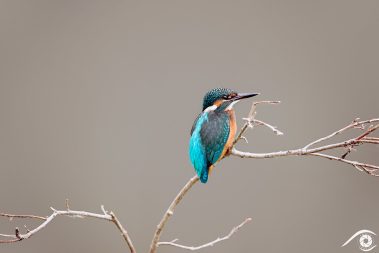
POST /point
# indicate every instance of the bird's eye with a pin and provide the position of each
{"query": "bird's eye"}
(365, 240)
(230, 96)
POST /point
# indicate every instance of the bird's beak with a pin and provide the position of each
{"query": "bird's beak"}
(244, 95)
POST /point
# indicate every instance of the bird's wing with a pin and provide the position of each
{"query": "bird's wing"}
(194, 123)
(214, 134)
(196, 149)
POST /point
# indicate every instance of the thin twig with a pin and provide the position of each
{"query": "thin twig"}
(371, 138)
(209, 244)
(22, 216)
(369, 131)
(250, 118)
(368, 168)
(354, 124)
(370, 141)
(273, 128)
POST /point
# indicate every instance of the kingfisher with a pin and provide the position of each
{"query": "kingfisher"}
(214, 130)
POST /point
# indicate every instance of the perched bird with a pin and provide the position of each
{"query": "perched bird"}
(214, 130)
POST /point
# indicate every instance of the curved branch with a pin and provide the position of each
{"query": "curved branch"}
(170, 212)
(209, 244)
(17, 236)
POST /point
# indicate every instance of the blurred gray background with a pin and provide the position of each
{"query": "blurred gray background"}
(97, 99)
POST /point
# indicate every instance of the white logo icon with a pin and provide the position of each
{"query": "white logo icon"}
(365, 241)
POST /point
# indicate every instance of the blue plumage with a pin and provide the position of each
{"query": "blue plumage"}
(197, 151)
(209, 136)
(213, 131)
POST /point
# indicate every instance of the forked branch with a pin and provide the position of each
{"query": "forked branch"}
(348, 144)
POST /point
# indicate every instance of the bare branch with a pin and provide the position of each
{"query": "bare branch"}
(124, 233)
(369, 141)
(349, 144)
(355, 124)
(294, 152)
(369, 131)
(170, 212)
(67, 205)
(274, 129)
(371, 138)
(70, 213)
(251, 117)
(22, 216)
(368, 168)
(209, 244)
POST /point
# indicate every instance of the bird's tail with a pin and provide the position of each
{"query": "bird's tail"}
(205, 173)
(203, 176)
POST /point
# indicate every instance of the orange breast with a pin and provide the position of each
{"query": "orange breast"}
(232, 133)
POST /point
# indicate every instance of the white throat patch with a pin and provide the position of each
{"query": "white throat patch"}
(231, 105)
(210, 108)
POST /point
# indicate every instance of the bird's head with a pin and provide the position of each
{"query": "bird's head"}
(223, 97)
